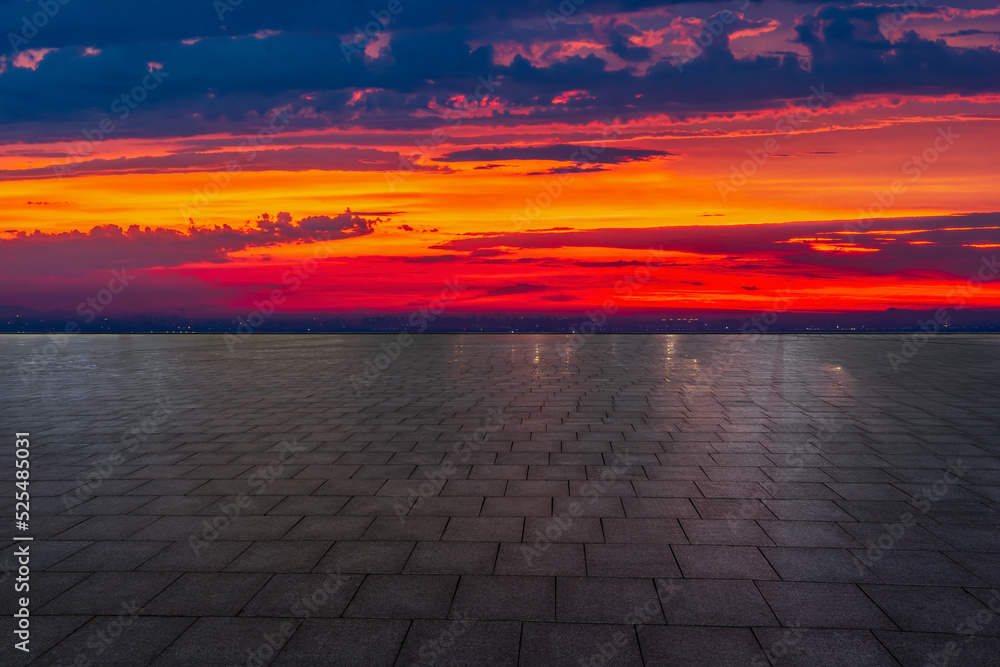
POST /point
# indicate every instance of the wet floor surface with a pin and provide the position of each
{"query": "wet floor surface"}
(506, 499)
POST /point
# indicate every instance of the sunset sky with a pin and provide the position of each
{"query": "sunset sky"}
(356, 157)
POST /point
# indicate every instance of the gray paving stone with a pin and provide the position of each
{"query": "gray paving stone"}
(607, 600)
(967, 538)
(537, 458)
(928, 608)
(541, 559)
(349, 487)
(329, 528)
(861, 491)
(175, 505)
(421, 487)
(403, 596)
(227, 527)
(673, 471)
(817, 564)
(812, 605)
(732, 490)
(309, 505)
(452, 558)
(573, 644)
(575, 458)
(868, 475)
(706, 468)
(110, 557)
(407, 529)
(43, 587)
(517, 506)
(544, 488)
(116, 505)
(620, 488)
(807, 510)
(921, 568)
(659, 508)
(914, 649)
(630, 560)
(505, 598)
(713, 562)
(666, 489)
(117, 640)
(736, 474)
(687, 646)
(913, 537)
(104, 593)
(255, 506)
(499, 472)
(364, 557)
(167, 487)
(460, 642)
(106, 528)
(54, 632)
(823, 648)
(719, 508)
(377, 506)
(985, 566)
(474, 487)
(562, 529)
(756, 460)
(304, 595)
(206, 594)
(718, 602)
(219, 640)
(735, 532)
(587, 507)
(54, 552)
(447, 506)
(343, 642)
(810, 534)
(484, 529)
(799, 491)
(278, 556)
(645, 531)
(208, 557)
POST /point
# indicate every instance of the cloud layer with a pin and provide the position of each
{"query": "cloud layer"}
(104, 247)
(631, 58)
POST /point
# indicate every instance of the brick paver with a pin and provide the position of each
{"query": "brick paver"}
(507, 500)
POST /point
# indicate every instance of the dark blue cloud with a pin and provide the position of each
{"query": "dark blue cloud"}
(228, 80)
(105, 23)
(555, 152)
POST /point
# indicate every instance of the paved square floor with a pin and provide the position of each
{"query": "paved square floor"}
(506, 500)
